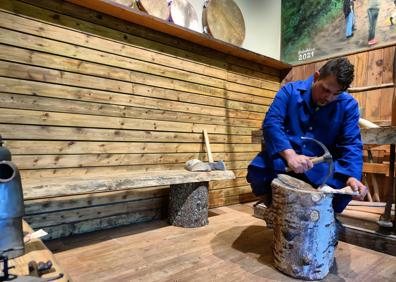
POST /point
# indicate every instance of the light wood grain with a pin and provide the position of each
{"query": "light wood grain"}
(234, 247)
(67, 186)
(35, 250)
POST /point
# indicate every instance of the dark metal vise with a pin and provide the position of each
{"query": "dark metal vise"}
(11, 211)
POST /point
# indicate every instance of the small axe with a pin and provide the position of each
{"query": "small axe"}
(218, 165)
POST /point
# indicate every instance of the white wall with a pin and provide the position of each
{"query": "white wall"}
(262, 24)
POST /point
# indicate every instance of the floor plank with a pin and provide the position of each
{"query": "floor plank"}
(235, 246)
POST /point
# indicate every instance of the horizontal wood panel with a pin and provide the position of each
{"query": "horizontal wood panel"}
(91, 121)
(100, 63)
(110, 103)
(142, 80)
(39, 206)
(70, 147)
(75, 215)
(34, 132)
(166, 54)
(62, 34)
(107, 159)
(64, 230)
(20, 71)
(15, 101)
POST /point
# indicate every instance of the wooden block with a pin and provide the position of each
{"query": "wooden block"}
(379, 136)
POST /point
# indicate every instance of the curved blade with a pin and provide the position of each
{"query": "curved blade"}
(317, 142)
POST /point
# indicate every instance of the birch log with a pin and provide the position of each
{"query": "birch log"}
(304, 228)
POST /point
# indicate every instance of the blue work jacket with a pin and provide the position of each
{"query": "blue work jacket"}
(292, 115)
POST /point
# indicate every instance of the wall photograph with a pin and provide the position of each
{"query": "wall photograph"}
(315, 29)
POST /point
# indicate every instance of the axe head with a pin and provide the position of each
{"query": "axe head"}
(197, 165)
(218, 165)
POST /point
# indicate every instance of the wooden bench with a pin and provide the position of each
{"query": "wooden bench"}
(188, 198)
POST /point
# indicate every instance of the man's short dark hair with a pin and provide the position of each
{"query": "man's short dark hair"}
(341, 68)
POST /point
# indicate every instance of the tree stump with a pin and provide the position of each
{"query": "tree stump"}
(304, 228)
(188, 204)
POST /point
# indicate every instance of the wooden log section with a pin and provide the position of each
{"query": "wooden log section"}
(304, 228)
(188, 204)
(379, 136)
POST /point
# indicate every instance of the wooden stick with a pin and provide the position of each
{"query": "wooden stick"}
(370, 199)
(370, 87)
(367, 124)
(373, 178)
(207, 144)
(368, 204)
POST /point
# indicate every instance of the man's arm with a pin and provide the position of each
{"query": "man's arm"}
(276, 140)
(349, 147)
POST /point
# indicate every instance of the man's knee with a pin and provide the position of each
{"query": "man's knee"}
(259, 180)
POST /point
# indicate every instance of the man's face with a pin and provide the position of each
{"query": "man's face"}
(325, 90)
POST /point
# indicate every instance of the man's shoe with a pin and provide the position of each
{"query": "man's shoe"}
(349, 36)
(265, 199)
(372, 42)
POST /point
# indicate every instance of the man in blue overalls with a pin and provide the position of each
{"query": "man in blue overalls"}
(318, 108)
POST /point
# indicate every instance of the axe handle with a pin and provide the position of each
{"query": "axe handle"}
(317, 160)
(207, 144)
(314, 160)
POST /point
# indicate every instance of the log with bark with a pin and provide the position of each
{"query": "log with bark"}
(304, 228)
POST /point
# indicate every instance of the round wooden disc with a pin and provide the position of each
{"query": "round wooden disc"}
(156, 8)
(224, 20)
(184, 14)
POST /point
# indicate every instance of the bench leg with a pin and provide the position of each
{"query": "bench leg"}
(188, 204)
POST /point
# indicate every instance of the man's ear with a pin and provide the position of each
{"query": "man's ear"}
(316, 76)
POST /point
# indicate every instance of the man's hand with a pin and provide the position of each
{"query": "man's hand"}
(296, 163)
(356, 185)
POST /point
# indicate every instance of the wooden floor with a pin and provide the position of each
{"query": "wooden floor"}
(235, 246)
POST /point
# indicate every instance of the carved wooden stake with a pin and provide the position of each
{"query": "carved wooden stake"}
(304, 228)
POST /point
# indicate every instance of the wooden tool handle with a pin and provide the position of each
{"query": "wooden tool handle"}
(347, 190)
(317, 160)
(207, 144)
(314, 160)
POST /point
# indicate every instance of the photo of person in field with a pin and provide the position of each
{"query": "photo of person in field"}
(314, 29)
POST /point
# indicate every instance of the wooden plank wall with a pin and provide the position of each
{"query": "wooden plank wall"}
(83, 93)
(373, 67)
